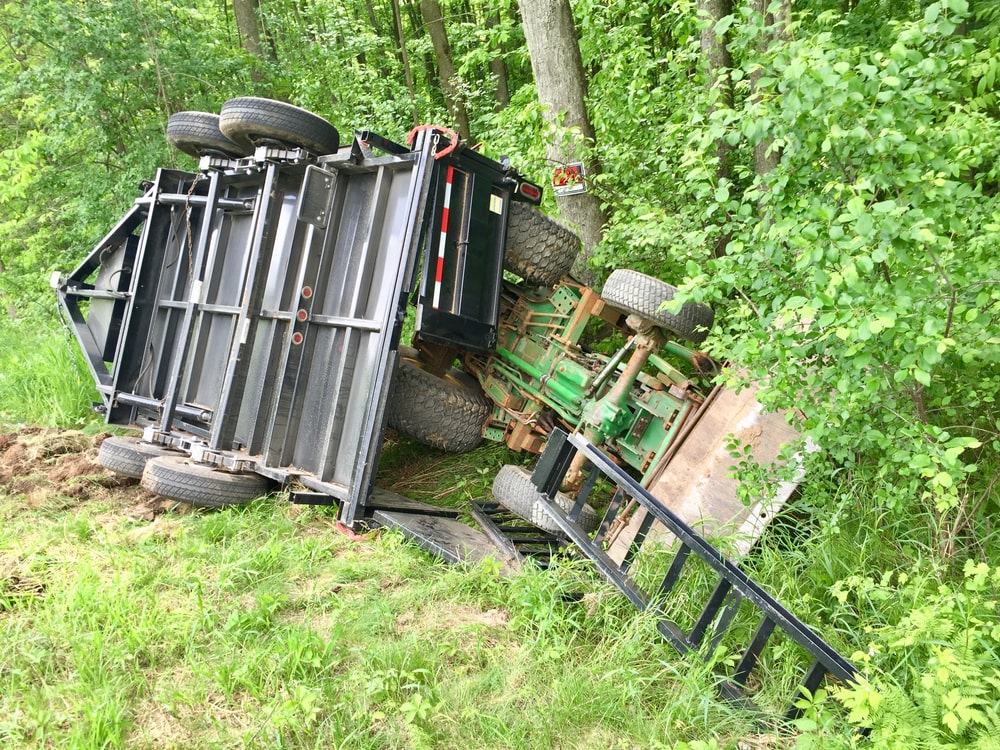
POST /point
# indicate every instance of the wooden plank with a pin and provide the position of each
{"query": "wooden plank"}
(697, 485)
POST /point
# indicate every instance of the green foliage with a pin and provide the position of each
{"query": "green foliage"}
(86, 90)
(640, 57)
(931, 673)
(860, 281)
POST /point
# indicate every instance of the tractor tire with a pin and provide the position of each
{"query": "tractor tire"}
(515, 491)
(197, 134)
(447, 413)
(252, 121)
(128, 455)
(638, 294)
(539, 249)
(177, 478)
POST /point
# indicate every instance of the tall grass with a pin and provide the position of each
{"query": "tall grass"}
(263, 627)
(44, 379)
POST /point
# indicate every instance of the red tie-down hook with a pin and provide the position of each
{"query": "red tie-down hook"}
(447, 131)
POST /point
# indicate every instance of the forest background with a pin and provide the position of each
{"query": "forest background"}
(825, 174)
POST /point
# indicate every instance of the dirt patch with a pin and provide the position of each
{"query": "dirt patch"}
(54, 470)
(452, 618)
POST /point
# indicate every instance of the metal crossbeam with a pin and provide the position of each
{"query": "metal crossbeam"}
(732, 588)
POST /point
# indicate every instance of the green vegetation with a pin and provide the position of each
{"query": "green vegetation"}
(830, 186)
(263, 626)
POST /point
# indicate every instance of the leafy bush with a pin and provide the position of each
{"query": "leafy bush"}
(860, 281)
(932, 678)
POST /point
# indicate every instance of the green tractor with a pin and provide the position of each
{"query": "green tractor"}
(613, 366)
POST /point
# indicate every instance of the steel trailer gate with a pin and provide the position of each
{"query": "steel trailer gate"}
(249, 314)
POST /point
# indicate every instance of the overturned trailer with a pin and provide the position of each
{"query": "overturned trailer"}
(246, 318)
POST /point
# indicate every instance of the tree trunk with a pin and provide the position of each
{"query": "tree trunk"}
(718, 62)
(562, 90)
(434, 20)
(247, 13)
(406, 61)
(776, 28)
(498, 68)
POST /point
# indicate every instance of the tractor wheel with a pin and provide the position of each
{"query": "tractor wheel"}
(251, 121)
(539, 249)
(178, 478)
(128, 455)
(197, 134)
(447, 412)
(637, 294)
(515, 491)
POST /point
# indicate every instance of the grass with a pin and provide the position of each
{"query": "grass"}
(43, 377)
(263, 626)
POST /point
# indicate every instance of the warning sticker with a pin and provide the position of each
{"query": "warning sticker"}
(569, 179)
(496, 204)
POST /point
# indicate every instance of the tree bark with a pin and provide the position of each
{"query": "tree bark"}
(718, 61)
(498, 68)
(557, 64)
(434, 20)
(247, 13)
(776, 29)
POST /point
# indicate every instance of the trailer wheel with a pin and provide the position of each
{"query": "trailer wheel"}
(251, 121)
(539, 249)
(128, 455)
(638, 294)
(447, 413)
(515, 491)
(178, 478)
(197, 134)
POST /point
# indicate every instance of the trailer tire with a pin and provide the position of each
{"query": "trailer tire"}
(197, 134)
(250, 120)
(128, 455)
(447, 413)
(514, 490)
(177, 478)
(538, 249)
(638, 294)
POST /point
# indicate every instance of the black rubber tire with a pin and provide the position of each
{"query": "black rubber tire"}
(514, 490)
(539, 249)
(447, 413)
(178, 478)
(250, 121)
(197, 134)
(638, 294)
(128, 455)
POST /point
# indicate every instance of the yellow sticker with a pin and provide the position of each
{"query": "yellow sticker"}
(496, 204)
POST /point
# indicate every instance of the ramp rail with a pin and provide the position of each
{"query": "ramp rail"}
(732, 589)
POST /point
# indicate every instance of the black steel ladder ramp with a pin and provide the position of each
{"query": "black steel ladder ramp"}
(715, 624)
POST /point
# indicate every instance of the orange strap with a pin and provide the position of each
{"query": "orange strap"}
(447, 131)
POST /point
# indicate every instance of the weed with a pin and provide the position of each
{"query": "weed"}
(43, 378)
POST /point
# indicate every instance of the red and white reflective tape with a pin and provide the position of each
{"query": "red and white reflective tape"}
(439, 275)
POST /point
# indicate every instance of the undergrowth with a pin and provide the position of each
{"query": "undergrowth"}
(43, 377)
(263, 627)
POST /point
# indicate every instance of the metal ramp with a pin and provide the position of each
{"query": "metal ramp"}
(737, 613)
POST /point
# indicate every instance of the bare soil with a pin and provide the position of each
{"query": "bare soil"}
(54, 469)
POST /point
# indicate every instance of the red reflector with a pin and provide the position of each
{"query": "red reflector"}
(529, 191)
(307, 292)
(302, 315)
(297, 338)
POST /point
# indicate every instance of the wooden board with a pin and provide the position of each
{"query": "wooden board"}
(698, 483)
